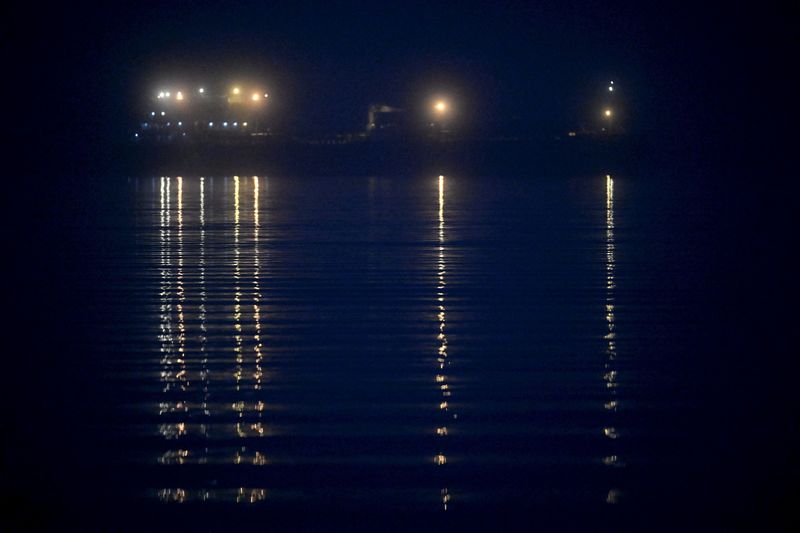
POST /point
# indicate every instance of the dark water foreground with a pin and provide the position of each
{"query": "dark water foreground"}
(585, 352)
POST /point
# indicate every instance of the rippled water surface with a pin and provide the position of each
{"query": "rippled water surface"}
(425, 344)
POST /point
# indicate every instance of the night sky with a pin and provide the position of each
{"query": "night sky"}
(542, 64)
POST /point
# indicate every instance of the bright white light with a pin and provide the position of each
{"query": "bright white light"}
(266, 95)
(236, 90)
(135, 134)
(235, 124)
(180, 123)
(201, 90)
(612, 83)
(244, 124)
(162, 113)
(161, 94)
(166, 94)
(210, 124)
(179, 96)
(225, 124)
(256, 97)
(152, 113)
(611, 88)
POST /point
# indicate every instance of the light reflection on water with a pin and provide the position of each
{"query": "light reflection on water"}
(610, 375)
(188, 381)
(290, 370)
(442, 357)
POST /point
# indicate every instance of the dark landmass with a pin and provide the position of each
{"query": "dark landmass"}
(364, 157)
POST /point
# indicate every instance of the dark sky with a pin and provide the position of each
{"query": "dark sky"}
(542, 63)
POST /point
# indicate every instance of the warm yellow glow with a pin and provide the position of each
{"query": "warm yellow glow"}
(440, 106)
(179, 96)
(256, 97)
(236, 90)
(607, 112)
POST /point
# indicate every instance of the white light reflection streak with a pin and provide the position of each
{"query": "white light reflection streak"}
(204, 370)
(441, 380)
(237, 307)
(610, 372)
(182, 374)
(165, 334)
(258, 372)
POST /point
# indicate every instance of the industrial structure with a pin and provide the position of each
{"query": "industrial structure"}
(177, 113)
(386, 121)
(239, 112)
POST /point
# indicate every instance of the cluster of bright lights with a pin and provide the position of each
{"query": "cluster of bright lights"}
(255, 96)
(440, 107)
(224, 124)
